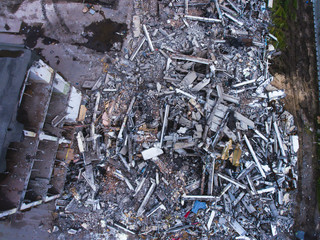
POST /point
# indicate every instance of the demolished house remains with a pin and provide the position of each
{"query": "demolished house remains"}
(185, 136)
(35, 103)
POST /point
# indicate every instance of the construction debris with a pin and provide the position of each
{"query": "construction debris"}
(194, 142)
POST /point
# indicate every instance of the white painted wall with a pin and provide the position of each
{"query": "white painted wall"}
(73, 105)
(60, 85)
(41, 72)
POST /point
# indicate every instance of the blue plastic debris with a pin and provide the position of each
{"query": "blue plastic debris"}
(198, 205)
(300, 235)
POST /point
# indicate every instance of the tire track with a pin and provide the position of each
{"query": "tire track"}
(61, 20)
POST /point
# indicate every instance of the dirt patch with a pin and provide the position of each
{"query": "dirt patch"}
(11, 6)
(296, 69)
(14, 5)
(48, 40)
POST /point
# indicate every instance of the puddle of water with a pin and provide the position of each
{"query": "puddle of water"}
(33, 33)
(7, 27)
(10, 54)
(102, 35)
(112, 4)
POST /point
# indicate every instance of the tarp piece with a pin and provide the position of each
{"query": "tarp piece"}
(198, 205)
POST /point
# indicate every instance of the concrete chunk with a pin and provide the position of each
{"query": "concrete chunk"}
(136, 26)
(243, 119)
(151, 153)
(187, 80)
(201, 85)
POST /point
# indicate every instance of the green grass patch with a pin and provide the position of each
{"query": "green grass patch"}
(308, 130)
(318, 156)
(282, 12)
(318, 193)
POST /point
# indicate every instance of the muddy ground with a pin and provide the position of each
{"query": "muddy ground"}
(296, 72)
(62, 39)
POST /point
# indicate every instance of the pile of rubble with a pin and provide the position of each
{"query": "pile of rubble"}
(186, 137)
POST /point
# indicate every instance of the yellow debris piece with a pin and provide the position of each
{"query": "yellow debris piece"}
(225, 152)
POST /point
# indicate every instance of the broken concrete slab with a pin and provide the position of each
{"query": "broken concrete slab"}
(151, 153)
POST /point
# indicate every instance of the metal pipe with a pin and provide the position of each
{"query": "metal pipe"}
(146, 198)
(165, 122)
(275, 125)
(202, 19)
(254, 156)
(232, 181)
(137, 48)
(148, 37)
(233, 18)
